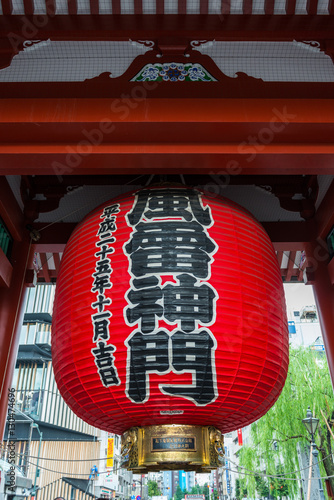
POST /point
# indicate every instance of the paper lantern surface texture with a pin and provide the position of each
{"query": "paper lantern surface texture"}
(169, 309)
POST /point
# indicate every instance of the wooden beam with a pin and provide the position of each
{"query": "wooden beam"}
(29, 7)
(53, 237)
(160, 6)
(45, 269)
(170, 159)
(226, 7)
(290, 7)
(7, 7)
(72, 7)
(138, 7)
(204, 7)
(279, 258)
(50, 7)
(291, 262)
(289, 236)
(94, 7)
(56, 259)
(116, 7)
(269, 7)
(312, 7)
(182, 7)
(331, 7)
(150, 27)
(202, 136)
(247, 6)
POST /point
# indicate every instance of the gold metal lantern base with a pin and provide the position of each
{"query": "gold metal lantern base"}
(172, 447)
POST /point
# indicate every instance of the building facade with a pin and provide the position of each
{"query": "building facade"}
(71, 455)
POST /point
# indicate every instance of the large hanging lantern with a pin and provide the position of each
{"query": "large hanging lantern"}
(169, 325)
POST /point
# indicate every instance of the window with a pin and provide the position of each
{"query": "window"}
(6, 241)
(330, 242)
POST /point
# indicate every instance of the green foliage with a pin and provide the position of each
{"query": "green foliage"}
(153, 489)
(237, 488)
(196, 490)
(276, 434)
(178, 493)
(240, 490)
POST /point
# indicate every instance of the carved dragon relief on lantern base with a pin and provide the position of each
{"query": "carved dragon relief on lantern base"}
(172, 447)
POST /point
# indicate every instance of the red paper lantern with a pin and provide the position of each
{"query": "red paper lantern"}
(169, 309)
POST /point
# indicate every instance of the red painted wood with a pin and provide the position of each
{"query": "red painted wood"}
(45, 270)
(311, 7)
(138, 6)
(94, 7)
(56, 259)
(301, 145)
(160, 6)
(6, 270)
(290, 7)
(247, 7)
(204, 7)
(7, 7)
(156, 160)
(324, 297)
(28, 7)
(193, 27)
(11, 312)
(50, 7)
(279, 259)
(226, 7)
(72, 7)
(269, 7)
(116, 7)
(182, 6)
(331, 7)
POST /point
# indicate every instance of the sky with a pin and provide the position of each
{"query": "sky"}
(298, 295)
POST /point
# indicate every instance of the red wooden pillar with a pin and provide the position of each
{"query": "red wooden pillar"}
(12, 302)
(318, 275)
(12, 292)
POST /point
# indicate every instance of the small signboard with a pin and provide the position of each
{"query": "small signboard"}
(110, 452)
(173, 443)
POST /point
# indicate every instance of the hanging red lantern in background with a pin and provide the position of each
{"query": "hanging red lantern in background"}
(169, 310)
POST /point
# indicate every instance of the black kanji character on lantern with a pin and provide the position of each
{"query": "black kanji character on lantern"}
(100, 283)
(188, 304)
(170, 247)
(107, 227)
(147, 354)
(104, 361)
(111, 210)
(101, 325)
(102, 267)
(172, 202)
(146, 309)
(101, 302)
(192, 352)
(104, 248)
